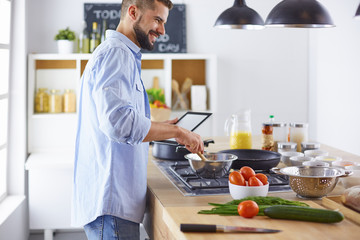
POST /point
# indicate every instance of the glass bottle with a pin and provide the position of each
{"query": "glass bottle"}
(42, 101)
(103, 30)
(55, 101)
(84, 41)
(69, 101)
(267, 138)
(94, 37)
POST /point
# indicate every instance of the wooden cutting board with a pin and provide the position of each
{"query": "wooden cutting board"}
(334, 202)
(174, 216)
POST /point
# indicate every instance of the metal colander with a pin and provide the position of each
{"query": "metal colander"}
(313, 182)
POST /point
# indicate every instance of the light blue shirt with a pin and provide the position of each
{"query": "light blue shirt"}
(113, 119)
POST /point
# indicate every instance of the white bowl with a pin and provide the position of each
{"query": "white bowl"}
(343, 163)
(316, 163)
(315, 153)
(238, 192)
(285, 157)
(328, 159)
(299, 160)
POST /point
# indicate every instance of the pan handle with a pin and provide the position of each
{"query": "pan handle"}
(208, 141)
(276, 170)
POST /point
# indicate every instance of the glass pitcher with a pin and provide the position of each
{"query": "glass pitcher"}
(238, 127)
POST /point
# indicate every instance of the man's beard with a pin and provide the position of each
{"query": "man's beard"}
(142, 37)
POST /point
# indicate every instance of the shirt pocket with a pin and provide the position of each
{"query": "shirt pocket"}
(139, 97)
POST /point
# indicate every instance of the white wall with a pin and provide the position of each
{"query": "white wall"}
(265, 70)
(335, 76)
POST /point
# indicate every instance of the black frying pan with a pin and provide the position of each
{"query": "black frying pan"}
(255, 158)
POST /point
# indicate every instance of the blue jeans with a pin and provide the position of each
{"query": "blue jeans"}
(110, 227)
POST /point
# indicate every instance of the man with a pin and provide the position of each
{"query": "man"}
(114, 127)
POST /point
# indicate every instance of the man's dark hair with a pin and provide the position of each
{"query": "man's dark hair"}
(142, 4)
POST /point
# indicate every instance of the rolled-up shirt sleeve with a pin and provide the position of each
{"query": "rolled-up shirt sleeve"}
(115, 97)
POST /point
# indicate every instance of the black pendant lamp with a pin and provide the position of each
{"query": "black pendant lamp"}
(357, 14)
(299, 14)
(239, 16)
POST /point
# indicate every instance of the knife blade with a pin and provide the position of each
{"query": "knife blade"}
(223, 228)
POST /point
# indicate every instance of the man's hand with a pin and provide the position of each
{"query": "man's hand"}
(172, 121)
(191, 140)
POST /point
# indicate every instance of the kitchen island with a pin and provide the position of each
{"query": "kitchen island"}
(167, 207)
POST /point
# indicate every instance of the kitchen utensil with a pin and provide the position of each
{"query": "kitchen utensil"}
(216, 166)
(299, 133)
(238, 127)
(223, 228)
(316, 163)
(175, 87)
(201, 156)
(315, 153)
(286, 147)
(313, 182)
(185, 88)
(171, 150)
(239, 192)
(255, 158)
(334, 202)
(328, 159)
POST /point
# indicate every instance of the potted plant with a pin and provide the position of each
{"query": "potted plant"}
(65, 40)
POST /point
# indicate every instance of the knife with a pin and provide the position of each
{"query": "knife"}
(222, 228)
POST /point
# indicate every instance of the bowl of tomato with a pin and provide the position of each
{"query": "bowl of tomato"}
(245, 183)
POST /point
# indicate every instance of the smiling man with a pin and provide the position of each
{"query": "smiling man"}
(114, 127)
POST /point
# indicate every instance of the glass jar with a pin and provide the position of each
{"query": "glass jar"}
(286, 147)
(42, 101)
(267, 139)
(55, 101)
(298, 134)
(309, 146)
(280, 133)
(69, 101)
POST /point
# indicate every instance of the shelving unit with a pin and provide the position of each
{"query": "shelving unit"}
(47, 132)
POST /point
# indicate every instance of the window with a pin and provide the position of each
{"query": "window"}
(5, 11)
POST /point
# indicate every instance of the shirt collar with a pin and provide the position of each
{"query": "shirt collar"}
(130, 44)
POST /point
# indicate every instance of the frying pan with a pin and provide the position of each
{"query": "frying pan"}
(255, 158)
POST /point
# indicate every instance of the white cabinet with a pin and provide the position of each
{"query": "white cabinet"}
(51, 136)
(49, 131)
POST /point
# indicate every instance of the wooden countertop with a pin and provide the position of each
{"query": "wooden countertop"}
(167, 208)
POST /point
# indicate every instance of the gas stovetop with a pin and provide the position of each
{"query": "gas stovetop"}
(189, 184)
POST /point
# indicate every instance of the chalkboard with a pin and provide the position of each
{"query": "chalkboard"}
(174, 40)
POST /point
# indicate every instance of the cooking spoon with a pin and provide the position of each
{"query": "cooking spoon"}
(203, 158)
(175, 88)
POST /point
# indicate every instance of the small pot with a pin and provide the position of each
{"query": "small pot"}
(313, 182)
(217, 165)
(171, 150)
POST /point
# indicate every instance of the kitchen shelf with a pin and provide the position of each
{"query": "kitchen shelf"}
(63, 71)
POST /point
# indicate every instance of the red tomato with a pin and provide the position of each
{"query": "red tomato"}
(262, 178)
(248, 209)
(236, 178)
(247, 172)
(254, 181)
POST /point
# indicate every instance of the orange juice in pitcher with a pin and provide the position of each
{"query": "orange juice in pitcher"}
(240, 140)
(238, 126)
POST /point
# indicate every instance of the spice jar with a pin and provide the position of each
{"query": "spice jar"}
(298, 134)
(309, 146)
(286, 147)
(267, 140)
(42, 101)
(69, 101)
(280, 133)
(55, 101)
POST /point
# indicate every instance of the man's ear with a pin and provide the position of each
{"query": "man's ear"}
(133, 12)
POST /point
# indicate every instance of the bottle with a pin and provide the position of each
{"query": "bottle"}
(42, 101)
(55, 101)
(298, 134)
(238, 126)
(103, 30)
(267, 138)
(69, 101)
(94, 37)
(84, 41)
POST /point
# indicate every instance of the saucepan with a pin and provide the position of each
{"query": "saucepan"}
(216, 165)
(255, 158)
(171, 150)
